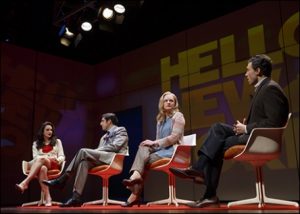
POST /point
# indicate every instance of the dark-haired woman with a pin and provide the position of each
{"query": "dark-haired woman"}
(48, 153)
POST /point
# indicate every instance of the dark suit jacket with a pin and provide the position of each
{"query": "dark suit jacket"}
(269, 106)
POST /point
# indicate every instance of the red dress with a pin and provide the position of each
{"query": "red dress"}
(53, 163)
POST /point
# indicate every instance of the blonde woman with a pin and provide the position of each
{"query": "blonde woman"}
(48, 153)
(169, 132)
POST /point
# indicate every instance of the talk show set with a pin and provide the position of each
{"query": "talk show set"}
(149, 106)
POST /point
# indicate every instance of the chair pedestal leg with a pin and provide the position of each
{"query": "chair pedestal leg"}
(268, 200)
(172, 195)
(105, 200)
(164, 201)
(261, 199)
(41, 202)
(175, 199)
(168, 200)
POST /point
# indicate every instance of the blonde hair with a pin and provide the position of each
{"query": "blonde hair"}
(161, 113)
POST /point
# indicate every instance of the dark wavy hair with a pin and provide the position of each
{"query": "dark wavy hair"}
(263, 62)
(40, 135)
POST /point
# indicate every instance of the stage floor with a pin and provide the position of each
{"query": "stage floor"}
(152, 209)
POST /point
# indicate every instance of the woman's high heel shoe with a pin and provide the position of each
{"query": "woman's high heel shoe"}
(20, 188)
(130, 204)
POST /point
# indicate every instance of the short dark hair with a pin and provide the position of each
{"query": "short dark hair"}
(263, 62)
(111, 116)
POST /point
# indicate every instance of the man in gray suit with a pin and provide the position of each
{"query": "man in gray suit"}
(114, 141)
(269, 108)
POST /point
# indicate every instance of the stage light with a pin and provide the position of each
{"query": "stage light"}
(64, 41)
(86, 26)
(108, 13)
(68, 33)
(119, 8)
(77, 39)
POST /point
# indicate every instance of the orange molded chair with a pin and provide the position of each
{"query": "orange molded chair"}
(264, 144)
(105, 172)
(181, 159)
(52, 174)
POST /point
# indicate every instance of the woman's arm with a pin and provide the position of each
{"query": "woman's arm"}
(60, 151)
(177, 131)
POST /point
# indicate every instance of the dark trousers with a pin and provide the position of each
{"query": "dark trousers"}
(220, 137)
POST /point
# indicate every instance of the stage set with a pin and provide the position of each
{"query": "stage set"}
(204, 65)
(153, 209)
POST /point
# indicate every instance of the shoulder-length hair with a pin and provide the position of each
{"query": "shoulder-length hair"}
(40, 135)
(161, 116)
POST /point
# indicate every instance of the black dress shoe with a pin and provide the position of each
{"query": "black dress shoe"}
(72, 203)
(58, 183)
(129, 182)
(206, 202)
(189, 173)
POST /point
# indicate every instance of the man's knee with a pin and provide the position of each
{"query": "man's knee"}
(216, 126)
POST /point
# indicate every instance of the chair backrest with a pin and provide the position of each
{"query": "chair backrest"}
(263, 143)
(182, 155)
(51, 173)
(115, 166)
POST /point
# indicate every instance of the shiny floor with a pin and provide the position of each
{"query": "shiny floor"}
(152, 209)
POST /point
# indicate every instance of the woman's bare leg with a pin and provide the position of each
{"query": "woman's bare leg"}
(34, 170)
(45, 189)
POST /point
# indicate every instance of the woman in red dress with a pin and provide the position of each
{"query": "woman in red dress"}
(48, 153)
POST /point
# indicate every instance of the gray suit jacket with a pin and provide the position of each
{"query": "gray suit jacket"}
(115, 141)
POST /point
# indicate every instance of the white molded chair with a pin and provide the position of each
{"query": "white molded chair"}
(52, 174)
(105, 172)
(181, 159)
(264, 144)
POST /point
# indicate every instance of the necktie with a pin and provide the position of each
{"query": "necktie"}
(106, 138)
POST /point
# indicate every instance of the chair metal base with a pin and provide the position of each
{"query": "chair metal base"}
(105, 200)
(261, 204)
(39, 203)
(261, 199)
(172, 196)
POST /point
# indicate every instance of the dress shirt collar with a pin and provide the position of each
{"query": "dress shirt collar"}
(259, 82)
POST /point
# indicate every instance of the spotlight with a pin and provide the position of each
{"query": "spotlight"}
(64, 41)
(86, 26)
(119, 8)
(108, 13)
(77, 39)
(68, 33)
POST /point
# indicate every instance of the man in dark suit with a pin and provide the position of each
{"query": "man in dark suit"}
(114, 141)
(269, 108)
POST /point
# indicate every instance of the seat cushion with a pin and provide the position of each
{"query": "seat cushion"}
(233, 151)
(98, 168)
(158, 163)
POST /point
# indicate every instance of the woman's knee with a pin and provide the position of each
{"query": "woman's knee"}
(41, 159)
(44, 169)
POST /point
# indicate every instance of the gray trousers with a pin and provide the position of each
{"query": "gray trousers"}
(84, 160)
(145, 155)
